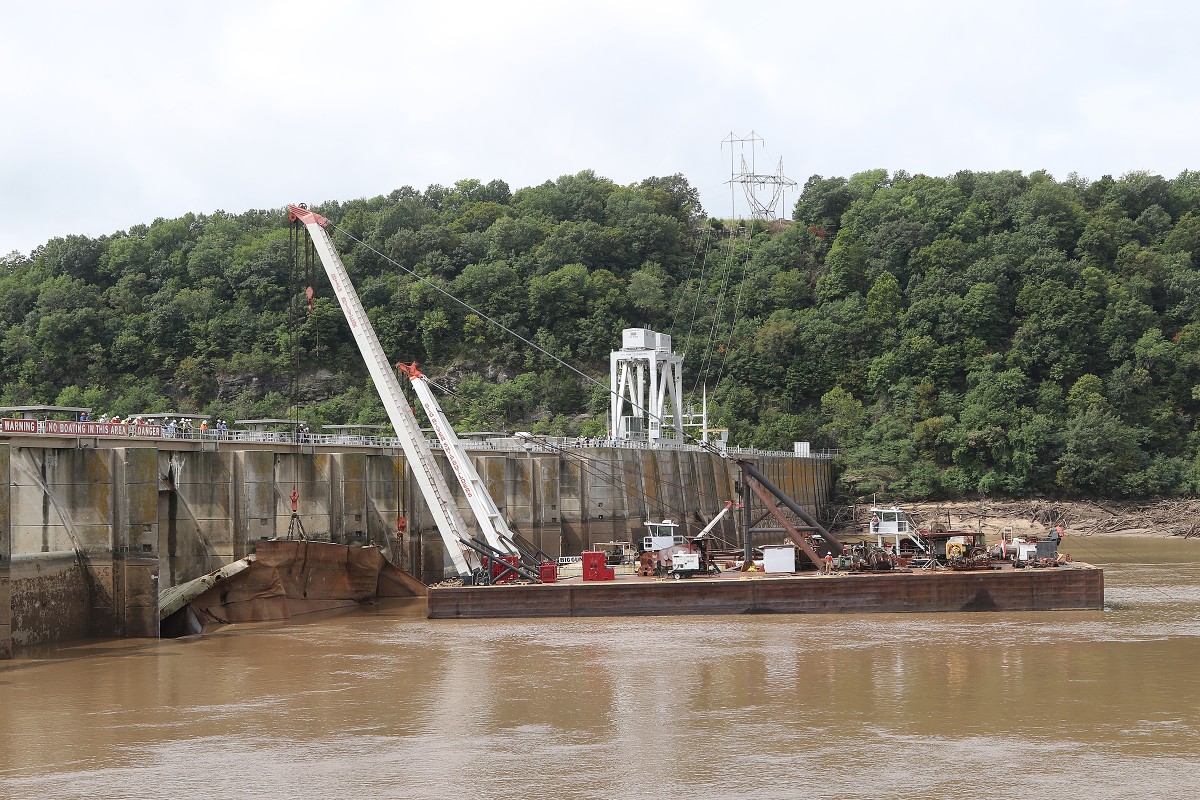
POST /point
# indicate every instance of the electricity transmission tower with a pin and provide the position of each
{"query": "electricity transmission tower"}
(763, 192)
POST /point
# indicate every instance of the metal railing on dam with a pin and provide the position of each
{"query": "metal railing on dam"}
(234, 436)
(92, 527)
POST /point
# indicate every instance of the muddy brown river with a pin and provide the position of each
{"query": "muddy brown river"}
(382, 703)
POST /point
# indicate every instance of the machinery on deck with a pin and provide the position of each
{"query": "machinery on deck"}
(694, 562)
(942, 544)
(1029, 549)
(811, 538)
(664, 551)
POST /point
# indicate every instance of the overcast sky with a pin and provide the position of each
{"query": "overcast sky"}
(117, 113)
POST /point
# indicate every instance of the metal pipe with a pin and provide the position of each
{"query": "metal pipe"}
(516, 548)
(747, 520)
(519, 539)
(833, 541)
(484, 549)
(527, 556)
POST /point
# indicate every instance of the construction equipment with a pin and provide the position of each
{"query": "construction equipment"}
(685, 565)
(756, 483)
(662, 535)
(1018, 549)
(664, 543)
(487, 514)
(595, 566)
(450, 522)
(708, 528)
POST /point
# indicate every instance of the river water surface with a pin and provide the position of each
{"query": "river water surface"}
(382, 703)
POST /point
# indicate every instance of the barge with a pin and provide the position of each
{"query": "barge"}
(951, 571)
(290, 579)
(1074, 586)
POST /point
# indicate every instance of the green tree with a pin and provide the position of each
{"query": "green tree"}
(1100, 451)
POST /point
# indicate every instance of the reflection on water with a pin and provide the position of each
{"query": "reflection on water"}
(385, 704)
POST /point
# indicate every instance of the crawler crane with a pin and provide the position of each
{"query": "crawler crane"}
(464, 550)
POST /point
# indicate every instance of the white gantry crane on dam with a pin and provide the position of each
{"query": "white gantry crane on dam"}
(451, 525)
(646, 388)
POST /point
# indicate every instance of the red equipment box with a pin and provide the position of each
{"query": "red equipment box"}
(494, 564)
(595, 566)
(548, 572)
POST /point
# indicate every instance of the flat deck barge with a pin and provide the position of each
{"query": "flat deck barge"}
(1076, 586)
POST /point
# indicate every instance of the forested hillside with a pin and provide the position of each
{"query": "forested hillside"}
(987, 332)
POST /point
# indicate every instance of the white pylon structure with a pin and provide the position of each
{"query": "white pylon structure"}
(646, 385)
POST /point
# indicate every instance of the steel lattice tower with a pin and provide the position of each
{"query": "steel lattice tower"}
(756, 186)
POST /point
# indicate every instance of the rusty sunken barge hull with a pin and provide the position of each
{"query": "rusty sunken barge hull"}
(1075, 587)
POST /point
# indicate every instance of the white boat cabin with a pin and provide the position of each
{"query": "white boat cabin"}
(661, 535)
(891, 526)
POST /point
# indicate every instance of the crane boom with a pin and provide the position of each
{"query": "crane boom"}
(434, 489)
(728, 505)
(487, 514)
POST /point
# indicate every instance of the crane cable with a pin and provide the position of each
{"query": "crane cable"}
(737, 306)
(702, 374)
(699, 285)
(464, 304)
(296, 242)
(705, 445)
(591, 466)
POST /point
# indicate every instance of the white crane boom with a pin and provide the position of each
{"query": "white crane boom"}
(728, 505)
(434, 489)
(487, 514)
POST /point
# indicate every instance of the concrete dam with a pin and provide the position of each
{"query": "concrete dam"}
(92, 528)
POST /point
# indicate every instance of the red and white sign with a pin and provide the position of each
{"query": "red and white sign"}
(64, 428)
(18, 425)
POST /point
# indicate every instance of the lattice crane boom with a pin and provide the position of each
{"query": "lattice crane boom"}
(450, 522)
(491, 522)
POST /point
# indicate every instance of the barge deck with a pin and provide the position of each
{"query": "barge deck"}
(1077, 586)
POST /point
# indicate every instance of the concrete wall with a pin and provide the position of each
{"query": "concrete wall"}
(584, 497)
(81, 543)
(89, 535)
(5, 558)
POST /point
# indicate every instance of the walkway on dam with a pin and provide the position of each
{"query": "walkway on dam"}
(106, 435)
